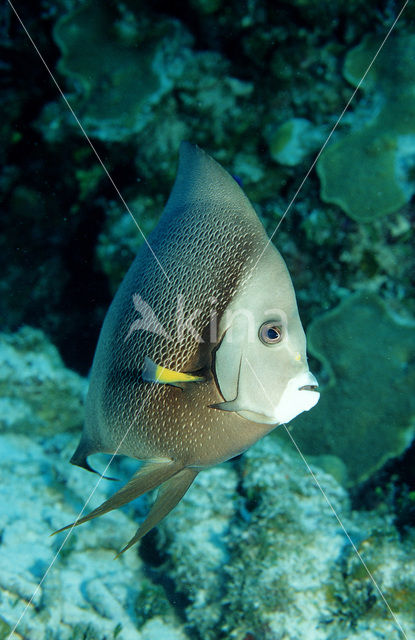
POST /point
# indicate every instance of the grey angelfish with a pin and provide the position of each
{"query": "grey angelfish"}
(168, 385)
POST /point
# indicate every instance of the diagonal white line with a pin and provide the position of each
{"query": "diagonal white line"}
(313, 164)
(55, 557)
(379, 590)
(101, 162)
(156, 259)
(165, 274)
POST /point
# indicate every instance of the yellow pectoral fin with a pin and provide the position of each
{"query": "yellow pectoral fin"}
(153, 372)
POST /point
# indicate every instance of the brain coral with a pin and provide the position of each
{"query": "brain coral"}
(366, 412)
(368, 172)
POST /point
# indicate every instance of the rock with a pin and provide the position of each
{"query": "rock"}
(76, 588)
(274, 563)
(39, 395)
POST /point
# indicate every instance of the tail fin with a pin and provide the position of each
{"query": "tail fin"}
(170, 493)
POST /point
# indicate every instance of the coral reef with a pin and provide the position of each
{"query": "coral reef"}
(258, 552)
(138, 75)
(231, 78)
(195, 541)
(286, 569)
(366, 413)
(137, 63)
(294, 140)
(269, 559)
(369, 172)
(85, 594)
(253, 551)
(120, 238)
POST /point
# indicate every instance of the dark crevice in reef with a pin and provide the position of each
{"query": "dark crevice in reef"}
(391, 489)
(45, 247)
(155, 562)
(176, 598)
(85, 296)
(246, 504)
(47, 244)
(149, 552)
(51, 264)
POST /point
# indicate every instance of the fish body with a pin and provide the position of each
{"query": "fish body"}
(202, 351)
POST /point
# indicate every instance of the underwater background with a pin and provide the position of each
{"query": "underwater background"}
(253, 552)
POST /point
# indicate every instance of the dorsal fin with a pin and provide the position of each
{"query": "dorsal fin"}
(201, 179)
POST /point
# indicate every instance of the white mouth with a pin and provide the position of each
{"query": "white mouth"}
(299, 395)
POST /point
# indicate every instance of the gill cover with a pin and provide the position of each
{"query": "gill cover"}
(265, 383)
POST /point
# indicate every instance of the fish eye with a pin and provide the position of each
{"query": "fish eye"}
(270, 332)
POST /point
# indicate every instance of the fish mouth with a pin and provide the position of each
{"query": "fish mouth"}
(309, 387)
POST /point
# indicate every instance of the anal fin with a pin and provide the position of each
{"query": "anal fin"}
(148, 477)
(169, 494)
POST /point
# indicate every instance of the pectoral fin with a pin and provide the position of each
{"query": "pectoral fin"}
(153, 372)
(80, 458)
(231, 405)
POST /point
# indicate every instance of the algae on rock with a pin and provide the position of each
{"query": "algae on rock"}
(86, 594)
(124, 63)
(366, 413)
(195, 540)
(272, 560)
(293, 140)
(39, 396)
